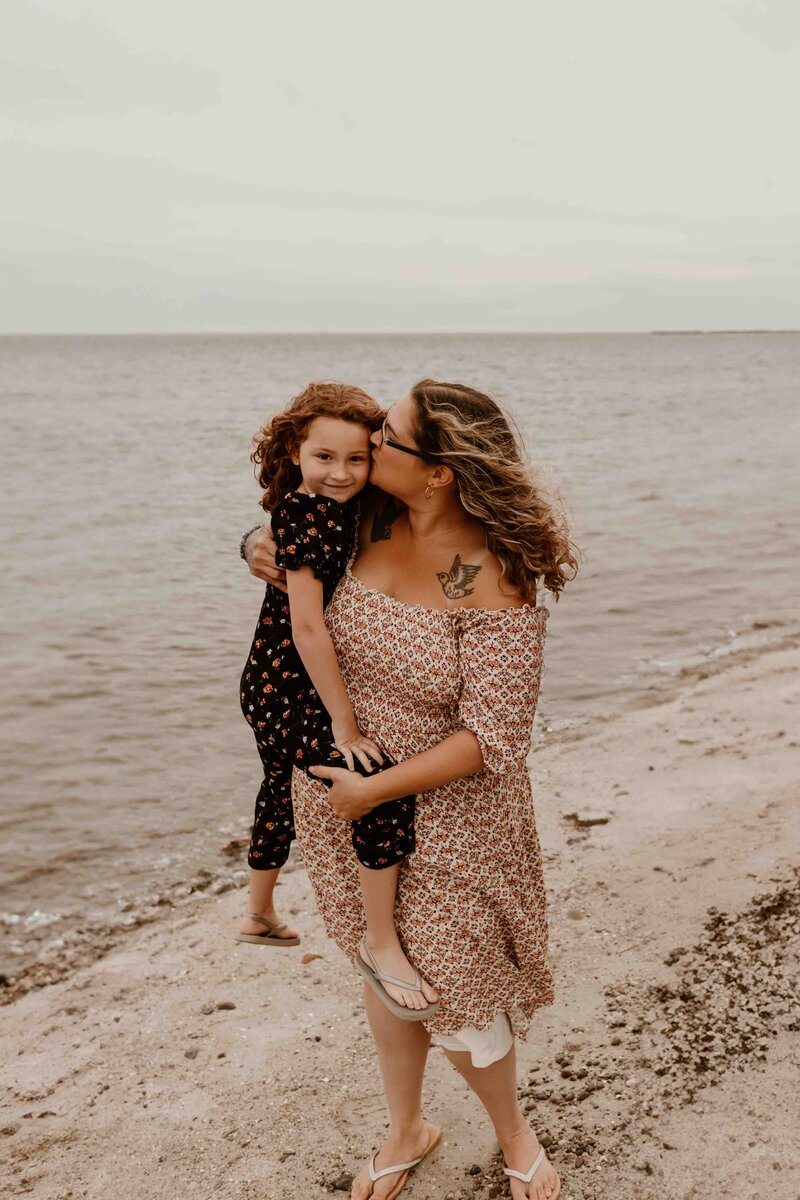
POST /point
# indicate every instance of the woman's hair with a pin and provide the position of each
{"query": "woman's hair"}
(280, 438)
(525, 529)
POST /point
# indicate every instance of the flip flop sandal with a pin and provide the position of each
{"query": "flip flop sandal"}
(537, 1162)
(269, 936)
(374, 1175)
(376, 978)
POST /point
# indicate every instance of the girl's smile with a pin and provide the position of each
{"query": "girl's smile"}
(334, 459)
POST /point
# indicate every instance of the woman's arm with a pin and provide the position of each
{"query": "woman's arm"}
(259, 554)
(455, 757)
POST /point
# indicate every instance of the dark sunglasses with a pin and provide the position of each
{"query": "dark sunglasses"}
(387, 441)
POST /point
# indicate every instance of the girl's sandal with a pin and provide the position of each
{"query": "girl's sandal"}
(364, 960)
(270, 935)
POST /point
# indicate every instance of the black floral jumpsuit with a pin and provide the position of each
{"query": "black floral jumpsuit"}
(278, 699)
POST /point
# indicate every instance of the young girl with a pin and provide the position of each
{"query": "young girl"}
(313, 460)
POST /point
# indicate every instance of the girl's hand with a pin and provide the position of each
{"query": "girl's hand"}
(349, 792)
(350, 741)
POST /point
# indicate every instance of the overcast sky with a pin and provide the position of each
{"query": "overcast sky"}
(520, 164)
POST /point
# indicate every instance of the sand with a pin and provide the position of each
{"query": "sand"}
(180, 1064)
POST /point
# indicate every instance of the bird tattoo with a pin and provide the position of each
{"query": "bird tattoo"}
(455, 583)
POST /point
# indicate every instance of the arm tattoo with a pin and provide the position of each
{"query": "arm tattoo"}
(455, 582)
(384, 519)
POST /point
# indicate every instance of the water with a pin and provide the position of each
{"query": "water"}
(127, 614)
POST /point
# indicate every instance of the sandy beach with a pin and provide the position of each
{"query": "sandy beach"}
(179, 1063)
(202, 217)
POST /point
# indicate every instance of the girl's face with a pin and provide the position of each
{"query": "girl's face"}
(334, 460)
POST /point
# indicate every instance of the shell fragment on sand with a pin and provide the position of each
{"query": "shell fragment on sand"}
(588, 816)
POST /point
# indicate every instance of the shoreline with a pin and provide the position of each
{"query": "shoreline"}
(180, 1061)
(81, 942)
(78, 943)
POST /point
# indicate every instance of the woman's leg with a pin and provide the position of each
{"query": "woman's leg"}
(496, 1088)
(402, 1048)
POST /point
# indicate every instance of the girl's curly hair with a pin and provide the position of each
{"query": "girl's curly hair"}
(280, 438)
(525, 528)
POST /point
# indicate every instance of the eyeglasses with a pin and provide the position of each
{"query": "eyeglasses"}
(387, 441)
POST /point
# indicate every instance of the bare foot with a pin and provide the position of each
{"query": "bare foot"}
(398, 1148)
(520, 1152)
(392, 961)
(248, 926)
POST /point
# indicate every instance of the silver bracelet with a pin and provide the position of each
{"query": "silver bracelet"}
(245, 536)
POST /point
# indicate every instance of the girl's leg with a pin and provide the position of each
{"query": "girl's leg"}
(402, 1053)
(262, 888)
(378, 890)
(496, 1088)
(381, 840)
(273, 831)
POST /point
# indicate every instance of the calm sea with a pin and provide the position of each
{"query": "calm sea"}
(127, 613)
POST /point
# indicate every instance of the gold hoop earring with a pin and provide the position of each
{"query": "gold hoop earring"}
(429, 491)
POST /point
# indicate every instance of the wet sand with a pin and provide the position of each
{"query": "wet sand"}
(178, 1063)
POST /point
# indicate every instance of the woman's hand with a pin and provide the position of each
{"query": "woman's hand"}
(259, 551)
(350, 741)
(349, 794)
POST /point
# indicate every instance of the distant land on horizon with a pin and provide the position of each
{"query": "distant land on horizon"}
(373, 333)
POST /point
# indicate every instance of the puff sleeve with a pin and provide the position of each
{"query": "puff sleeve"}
(312, 531)
(500, 658)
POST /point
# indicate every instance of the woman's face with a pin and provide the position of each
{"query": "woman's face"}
(394, 471)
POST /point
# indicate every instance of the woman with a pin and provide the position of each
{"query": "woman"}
(440, 640)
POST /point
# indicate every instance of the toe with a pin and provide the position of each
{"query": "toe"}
(549, 1183)
(361, 1186)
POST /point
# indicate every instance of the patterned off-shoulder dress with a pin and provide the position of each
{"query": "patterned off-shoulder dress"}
(471, 905)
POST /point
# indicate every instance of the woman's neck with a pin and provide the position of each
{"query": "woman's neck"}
(434, 520)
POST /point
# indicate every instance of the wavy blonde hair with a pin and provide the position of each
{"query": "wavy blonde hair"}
(525, 529)
(280, 438)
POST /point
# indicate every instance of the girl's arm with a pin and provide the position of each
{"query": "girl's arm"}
(453, 758)
(313, 642)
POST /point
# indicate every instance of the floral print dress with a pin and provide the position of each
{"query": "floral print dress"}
(471, 905)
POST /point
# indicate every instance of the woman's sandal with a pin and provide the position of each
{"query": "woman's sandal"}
(537, 1162)
(269, 936)
(374, 977)
(433, 1142)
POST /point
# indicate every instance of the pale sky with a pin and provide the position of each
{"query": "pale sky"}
(172, 165)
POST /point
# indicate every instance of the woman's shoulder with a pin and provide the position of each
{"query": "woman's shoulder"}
(478, 578)
(499, 617)
(484, 578)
